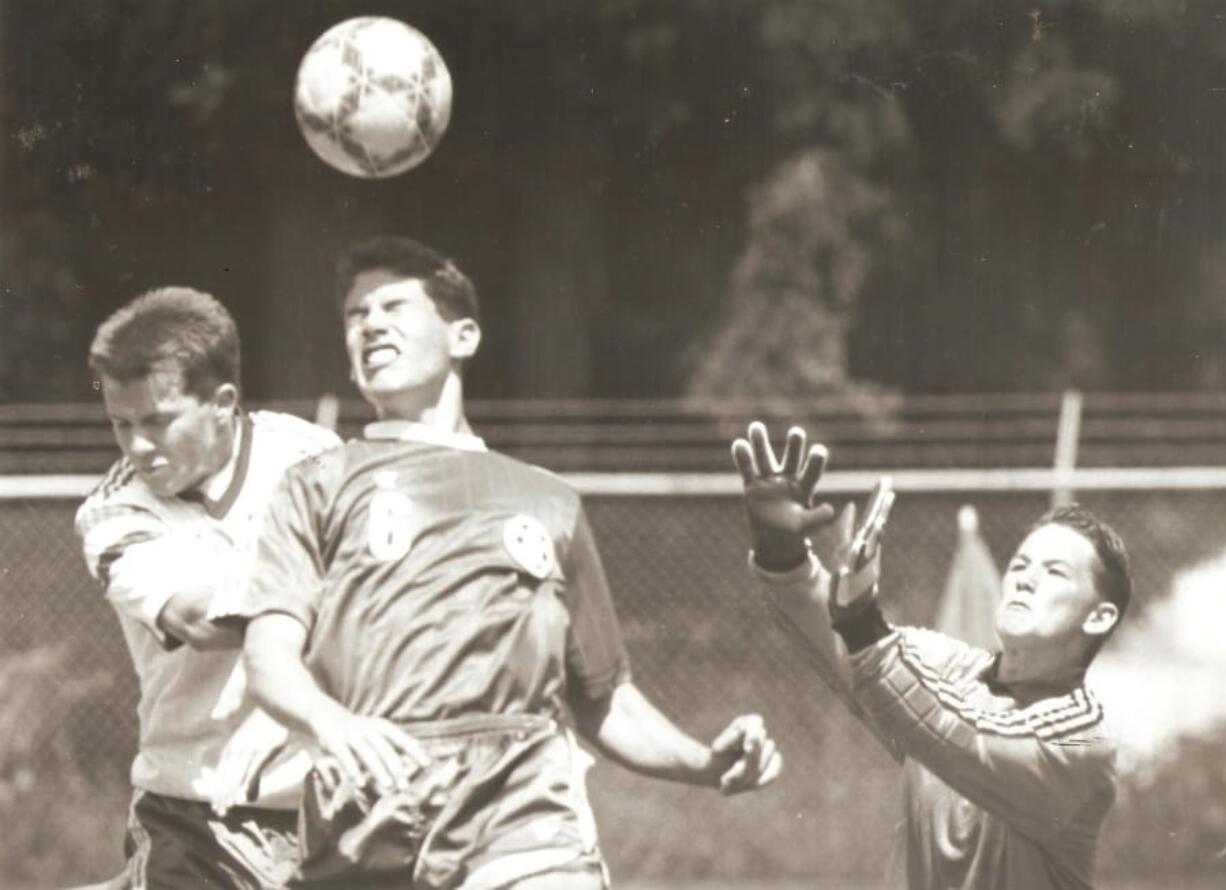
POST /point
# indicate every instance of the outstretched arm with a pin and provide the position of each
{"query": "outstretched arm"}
(630, 730)
(782, 508)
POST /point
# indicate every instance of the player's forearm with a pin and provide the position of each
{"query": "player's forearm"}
(629, 730)
(801, 606)
(799, 599)
(279, 680)
(292, 697)
(164, 579)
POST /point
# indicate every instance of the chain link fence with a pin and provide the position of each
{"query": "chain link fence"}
(704, 647)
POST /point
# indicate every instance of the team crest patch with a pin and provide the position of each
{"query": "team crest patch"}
(529, 544)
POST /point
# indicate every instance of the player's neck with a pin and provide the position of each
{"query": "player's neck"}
(230, 444)
(444, 412)
(1022, 664)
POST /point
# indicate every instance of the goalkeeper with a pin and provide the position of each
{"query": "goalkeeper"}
(1008, 769)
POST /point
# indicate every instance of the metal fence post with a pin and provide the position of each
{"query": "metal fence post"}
(328, 411)
(1068, 435)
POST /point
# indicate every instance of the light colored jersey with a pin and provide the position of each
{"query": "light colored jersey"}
(1006, 788)
(439, 580)
(141, 548)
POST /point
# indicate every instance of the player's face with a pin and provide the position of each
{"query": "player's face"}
(174, 440)
(1049, 592)
(397, 341)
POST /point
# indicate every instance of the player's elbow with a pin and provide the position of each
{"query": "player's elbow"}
(186, 619)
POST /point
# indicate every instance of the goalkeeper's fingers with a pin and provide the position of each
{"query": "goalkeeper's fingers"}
(812, 470)
(742, 457)
(793, 452)
(763, 454)
(845, 532)
(874, 533)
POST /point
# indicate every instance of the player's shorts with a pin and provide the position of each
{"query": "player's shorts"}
(503, 799)
(173, 844)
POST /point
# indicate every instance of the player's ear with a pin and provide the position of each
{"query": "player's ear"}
(465, 336)
(225, 397)
(1101, 619)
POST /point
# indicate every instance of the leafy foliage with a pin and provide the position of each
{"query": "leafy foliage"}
(795, 285)
(1046, 180)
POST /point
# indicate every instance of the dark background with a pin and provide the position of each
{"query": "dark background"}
(656, 199)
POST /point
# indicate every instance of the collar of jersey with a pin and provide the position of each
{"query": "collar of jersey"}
(240, 462)
(412, 431)
(1032, 690)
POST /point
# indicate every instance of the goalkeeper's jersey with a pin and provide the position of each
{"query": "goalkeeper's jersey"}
(141, 548)
(439, 579)
(1006, 788)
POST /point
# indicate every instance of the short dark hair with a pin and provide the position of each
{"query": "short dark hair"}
(451, 290)
(170, 329)
(1112, 570)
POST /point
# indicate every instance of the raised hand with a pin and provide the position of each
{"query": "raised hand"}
(780, 495)
(747, 758)
(857, 554)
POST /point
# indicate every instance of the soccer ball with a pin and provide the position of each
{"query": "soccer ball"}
(373, 97)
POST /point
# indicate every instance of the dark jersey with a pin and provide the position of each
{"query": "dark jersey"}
(438, 579)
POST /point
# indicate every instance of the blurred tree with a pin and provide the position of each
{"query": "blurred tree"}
(1017, 186)
(796, 284)
(125, 134)
(1051, 194)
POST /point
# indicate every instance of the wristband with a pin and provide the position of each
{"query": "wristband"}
(863, 627)
(808, 568)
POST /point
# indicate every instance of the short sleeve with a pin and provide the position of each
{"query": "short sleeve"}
(135, 557)
(596, 658)
(288, 571)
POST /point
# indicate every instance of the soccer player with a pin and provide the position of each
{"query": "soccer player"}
(169, 533)
(429, 612)
(1008, 769)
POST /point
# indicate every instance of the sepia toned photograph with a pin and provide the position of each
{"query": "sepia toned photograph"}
(559, 445)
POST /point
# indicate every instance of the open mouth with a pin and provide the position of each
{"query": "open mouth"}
(379, 355)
